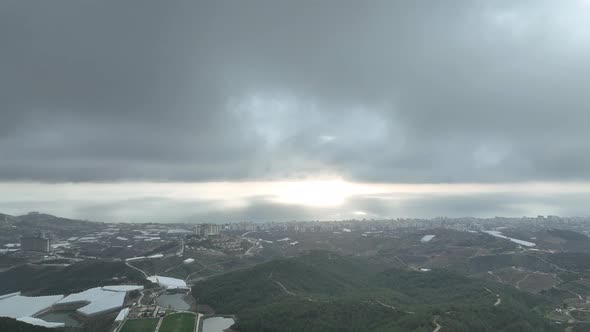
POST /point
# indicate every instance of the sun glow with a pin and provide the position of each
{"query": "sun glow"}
(315, 193)
(145, 199)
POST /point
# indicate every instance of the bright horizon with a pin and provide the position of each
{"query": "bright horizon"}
(271, 110)
(328, 199)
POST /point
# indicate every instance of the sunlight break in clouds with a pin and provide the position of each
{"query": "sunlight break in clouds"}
(317, 193)
(322, 199)
(211, 111)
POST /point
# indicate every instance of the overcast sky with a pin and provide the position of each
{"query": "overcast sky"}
(110, 109)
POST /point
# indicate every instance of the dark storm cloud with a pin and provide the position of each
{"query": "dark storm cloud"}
(389, 91)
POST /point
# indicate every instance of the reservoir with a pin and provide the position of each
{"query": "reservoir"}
(175, 301)
(217, 324)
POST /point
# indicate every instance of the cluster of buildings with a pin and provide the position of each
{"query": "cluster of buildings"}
(229, 245)
(579, 224)
(147, 311)
(206, 230)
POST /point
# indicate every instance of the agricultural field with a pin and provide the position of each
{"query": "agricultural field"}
(140, 325)
(184, 322)
(537, 282)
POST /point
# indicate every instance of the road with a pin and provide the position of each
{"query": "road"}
(247, 233)
(498, 301)
(574, 293)
(198, 322)
(435, 322)
(293, 294)
(181, 251)
(141, 297)
(552, 264)
(138, 269)
(256, 245)
(498, 298)
(284, 288)
(205, 267)
(159, 324)
(400, 260)
(385, 305)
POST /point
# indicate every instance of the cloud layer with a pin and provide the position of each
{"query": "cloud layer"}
(378, 92)
(391, 91)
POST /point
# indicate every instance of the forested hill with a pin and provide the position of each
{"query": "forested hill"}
(322, 291)
(12, 325)
(38, 280)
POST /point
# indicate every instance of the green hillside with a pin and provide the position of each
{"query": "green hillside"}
(47, 280)
(323, 291)
(12, 325)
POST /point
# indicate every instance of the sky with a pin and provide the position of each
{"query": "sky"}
(294, 110)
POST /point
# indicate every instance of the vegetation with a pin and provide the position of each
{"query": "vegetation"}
(45, 280)
(579, 262)
(322, 291)
(162, 248)
(140, 325)
(9, 261)
(184, 322)
(568, 235)
(486, 263)
(12, 325)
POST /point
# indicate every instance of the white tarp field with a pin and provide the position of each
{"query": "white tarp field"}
(501, 236)
(427, 238)
(16, 306)
(169, 283)
(23, 308)
(99, 299)
(40, 322)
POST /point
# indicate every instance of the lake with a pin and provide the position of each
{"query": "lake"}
(176, 301)
(217, 324)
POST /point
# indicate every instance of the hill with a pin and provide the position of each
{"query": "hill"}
(47, 280)
(6, 217)
(32, 222)
(13, 325)
(323, 291)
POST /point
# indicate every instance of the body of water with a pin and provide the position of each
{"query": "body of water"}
(176, 301)
(217, 324)
(66, 317)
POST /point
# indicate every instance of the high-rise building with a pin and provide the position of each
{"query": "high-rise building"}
(199, 230)
(206, 229)
(36, 243)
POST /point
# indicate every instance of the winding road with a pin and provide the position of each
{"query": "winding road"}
(138, 269)
(284, 288)
(386, 305)
(435, 322)
(498, 298)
